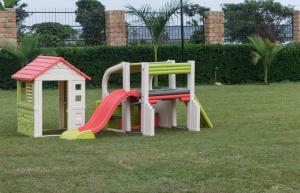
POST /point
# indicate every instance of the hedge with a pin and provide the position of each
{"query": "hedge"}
(232, 61)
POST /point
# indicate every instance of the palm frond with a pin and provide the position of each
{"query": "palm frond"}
(9, 3)
(30, 47)
(17, 53)
(1, 7)
(27, 50)
(256, 57)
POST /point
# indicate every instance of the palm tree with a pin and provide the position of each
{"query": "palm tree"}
(265, 51)
(7, 4)
(156, 20)
(27, 50)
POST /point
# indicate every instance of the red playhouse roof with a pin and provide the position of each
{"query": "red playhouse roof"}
(40, 65)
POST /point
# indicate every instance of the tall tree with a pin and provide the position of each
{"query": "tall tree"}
(91, 15)
(193, 10)
(260, 17)
(21, 15)
(156, 20)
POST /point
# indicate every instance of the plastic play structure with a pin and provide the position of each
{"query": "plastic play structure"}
(123, 110)
(71, 83)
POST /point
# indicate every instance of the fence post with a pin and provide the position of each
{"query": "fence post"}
(214, 27)
(8, 27)
(115, 27)
(296, 26)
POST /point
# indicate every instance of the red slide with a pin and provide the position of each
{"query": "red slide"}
(106, 109)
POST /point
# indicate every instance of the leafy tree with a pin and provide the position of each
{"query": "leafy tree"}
(260, 17)
(21, 15)
(91, 15)
(156, 20)
(198, 37)
(193, 10)
(52, 34)
(265, 51)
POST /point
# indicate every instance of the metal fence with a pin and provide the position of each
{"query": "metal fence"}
(239, 25)
(62, 16)
(137, 32)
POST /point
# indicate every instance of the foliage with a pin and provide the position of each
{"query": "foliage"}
(156, 20)
(234, 62)
(7, 4)
(27, 51)
(260, 17)
(198, 37)
(21, 15)
(91, 15)
(53, 34)
(264, 51)
(192, 10)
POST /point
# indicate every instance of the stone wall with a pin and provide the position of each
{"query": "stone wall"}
(214, 27)
(8, 27)
(296, 26)
(115, 26)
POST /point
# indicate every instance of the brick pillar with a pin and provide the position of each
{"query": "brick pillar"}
(8, 27)
(115, 27)
(214, 27)
(296, 26)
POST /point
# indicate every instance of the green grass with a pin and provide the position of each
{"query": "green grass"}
(254, 147)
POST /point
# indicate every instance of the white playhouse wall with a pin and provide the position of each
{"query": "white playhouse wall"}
(75, 98)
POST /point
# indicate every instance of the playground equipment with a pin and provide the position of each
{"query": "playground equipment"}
(123, 110)
(143, 110)
(71, 83)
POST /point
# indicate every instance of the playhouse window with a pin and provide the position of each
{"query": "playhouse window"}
(26, 92)
(23, 91)
(78, 98)
(78, 87)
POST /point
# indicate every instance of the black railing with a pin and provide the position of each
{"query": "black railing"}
(137, 32)
(239, 25)
(62, 16)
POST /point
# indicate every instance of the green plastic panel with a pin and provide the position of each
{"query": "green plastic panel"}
(167, 68)
(75, 134)
(25, 116)
(25, 110)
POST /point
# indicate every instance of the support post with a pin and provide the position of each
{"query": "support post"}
(147, 111)
(62, 104)
(38, 108)
(126, 112)
(193, 107)
(296, 26)
(214, 27)
(172, 85)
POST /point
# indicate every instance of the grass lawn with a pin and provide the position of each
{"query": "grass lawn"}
(254, 147)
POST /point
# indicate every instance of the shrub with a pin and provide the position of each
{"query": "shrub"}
(233, 62)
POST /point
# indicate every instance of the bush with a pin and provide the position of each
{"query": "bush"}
(233, 62)
(52, 34)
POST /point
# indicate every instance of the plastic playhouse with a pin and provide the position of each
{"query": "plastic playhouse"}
(123, 110)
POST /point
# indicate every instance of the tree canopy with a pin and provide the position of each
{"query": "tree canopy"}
(91, 15)
(52, 34)
(260, 17)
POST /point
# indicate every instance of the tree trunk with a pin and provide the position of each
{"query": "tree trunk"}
(266, 76)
